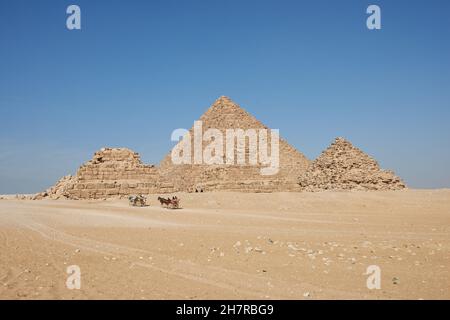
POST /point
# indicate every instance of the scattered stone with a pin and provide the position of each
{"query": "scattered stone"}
(256, 249)
(59, 191)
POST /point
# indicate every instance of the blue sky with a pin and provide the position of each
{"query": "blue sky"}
(139, 69)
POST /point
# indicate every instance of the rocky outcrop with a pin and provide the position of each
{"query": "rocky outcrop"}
(345, 167)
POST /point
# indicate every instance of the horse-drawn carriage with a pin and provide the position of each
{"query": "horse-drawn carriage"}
(170, 203)
(141, 201)
(137, 201)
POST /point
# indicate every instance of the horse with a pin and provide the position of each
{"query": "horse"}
(164, 201)
(173, 203)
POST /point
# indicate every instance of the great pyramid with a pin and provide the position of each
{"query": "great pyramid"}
(345, 167)
(222, 115)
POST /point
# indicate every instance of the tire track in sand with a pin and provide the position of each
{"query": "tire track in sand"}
(225, 279)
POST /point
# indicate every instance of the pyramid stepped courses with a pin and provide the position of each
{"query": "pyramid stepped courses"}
(225, 114)
(345, 167)
(114, 172)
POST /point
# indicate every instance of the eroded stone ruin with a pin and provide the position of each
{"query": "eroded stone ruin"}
(345, 167)
(119, 172)
(112, 172)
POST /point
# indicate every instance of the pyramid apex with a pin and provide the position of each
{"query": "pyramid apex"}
(223, 103)
(340, 139)
(224, 100)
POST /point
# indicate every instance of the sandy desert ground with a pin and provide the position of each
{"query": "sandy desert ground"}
(230, 246)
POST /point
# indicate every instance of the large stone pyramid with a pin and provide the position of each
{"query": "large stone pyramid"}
(345, 167)
(222, 115)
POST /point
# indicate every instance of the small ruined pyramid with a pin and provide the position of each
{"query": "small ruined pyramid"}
(112, 172)
(222, 115)
(345, 167)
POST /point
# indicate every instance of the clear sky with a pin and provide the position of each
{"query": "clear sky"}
(137, 70)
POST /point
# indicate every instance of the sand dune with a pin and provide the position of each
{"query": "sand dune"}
(230, 245)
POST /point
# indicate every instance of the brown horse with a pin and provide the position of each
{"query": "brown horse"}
(164, 201)
(173, 203)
